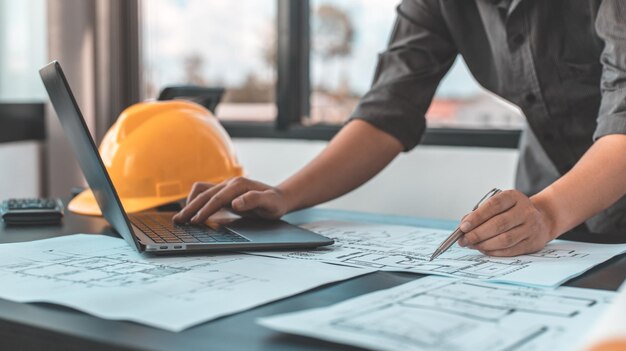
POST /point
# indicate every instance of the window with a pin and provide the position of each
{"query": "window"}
(347, 35)
(214, 43)
(460, 102)
(297, 69)
(22, 49)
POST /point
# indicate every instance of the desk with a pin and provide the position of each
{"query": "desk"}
(51, 327)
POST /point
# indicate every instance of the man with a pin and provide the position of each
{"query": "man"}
(562, 61)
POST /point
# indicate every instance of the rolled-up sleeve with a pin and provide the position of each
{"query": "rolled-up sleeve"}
(419, 54)
(611, 28)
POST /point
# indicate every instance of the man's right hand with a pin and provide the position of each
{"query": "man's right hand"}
(243, 195)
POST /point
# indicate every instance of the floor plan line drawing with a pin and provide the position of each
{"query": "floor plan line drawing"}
(111, 272)
(107, 278)
(438, 313)
(403, 248)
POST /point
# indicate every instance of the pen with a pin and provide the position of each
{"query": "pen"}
(458, 233)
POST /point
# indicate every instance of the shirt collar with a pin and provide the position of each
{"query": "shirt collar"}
(513, 5)
(506, 7)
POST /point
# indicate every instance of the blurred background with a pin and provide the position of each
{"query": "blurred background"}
(292, 72)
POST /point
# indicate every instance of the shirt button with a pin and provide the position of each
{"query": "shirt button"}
(530, 98)
(518, 39)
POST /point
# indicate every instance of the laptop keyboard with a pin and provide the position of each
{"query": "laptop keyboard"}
(161, 229)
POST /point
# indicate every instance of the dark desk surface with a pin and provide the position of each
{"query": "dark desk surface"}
(51, 327)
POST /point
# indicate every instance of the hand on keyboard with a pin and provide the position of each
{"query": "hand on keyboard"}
(241, 194)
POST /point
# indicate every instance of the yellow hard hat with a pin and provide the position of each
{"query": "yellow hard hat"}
(155, 151)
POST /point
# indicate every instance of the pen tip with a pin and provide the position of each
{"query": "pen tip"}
(434, 255)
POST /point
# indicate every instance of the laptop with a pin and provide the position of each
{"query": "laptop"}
(154, 231)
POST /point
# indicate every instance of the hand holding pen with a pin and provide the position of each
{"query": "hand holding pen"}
(503, 224)
(458, 233)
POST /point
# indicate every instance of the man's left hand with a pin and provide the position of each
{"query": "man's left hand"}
(508, 224)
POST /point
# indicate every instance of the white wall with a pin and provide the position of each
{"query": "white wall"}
(19, 169)
(434, 182)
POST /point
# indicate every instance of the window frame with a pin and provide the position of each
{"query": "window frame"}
(453, 137)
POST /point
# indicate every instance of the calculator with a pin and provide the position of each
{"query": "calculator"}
(31, 211)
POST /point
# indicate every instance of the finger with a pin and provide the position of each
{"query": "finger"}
(249, 201)
(260, 203)
(499, 224)
(223, 198)
(521, 248)
(197, 189)
(504, 240)
(492, 207)
(218, 201)
(196, 204)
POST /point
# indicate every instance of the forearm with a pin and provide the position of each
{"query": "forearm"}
(355, 155)
(596, 182)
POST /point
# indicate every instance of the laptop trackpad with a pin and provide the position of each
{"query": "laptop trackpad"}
(275, 231)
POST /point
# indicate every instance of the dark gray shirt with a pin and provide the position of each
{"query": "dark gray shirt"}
(562, 61)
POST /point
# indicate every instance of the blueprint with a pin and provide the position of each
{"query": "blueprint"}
(105, 277)
(438, 313)
(403, 248)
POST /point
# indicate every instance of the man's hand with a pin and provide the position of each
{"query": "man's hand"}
(243, 195)
(508, 224)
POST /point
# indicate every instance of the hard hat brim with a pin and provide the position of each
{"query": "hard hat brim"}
(85, 203)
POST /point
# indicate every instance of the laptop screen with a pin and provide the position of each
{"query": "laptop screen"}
(85, 149)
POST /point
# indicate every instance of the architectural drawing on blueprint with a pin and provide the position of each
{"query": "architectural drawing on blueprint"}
(107, 278)
(443, 314)
(403, 248)
(451, 313)
(557, 253)
(118, 270)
